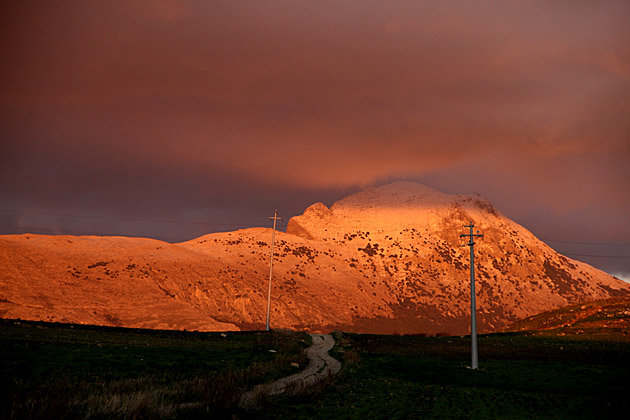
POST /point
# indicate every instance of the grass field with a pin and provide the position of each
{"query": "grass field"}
(520, 377)
(56, 371)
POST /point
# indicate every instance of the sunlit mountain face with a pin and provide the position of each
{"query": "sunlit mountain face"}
(169, 120)
(385, 260)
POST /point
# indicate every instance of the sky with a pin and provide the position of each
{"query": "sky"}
(123, 118)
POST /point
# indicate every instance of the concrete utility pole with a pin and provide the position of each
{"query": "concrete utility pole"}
(473, 305)
(273, 238)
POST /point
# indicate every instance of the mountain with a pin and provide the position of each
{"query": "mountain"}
(110, 281)
(602, 318)
(385, 260)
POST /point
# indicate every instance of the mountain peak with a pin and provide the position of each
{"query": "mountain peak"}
(401, 193)
(391, 207)
(387, 259)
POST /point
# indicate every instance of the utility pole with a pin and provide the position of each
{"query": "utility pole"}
(273, 237)
(473, 305)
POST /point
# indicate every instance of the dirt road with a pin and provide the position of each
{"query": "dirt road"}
(320, 366)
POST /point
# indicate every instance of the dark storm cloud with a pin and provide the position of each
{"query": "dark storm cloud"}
(228, 109)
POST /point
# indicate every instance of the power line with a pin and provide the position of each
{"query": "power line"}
(186, 222)
(66, 231)
(585, 243)
(31, 229)
(127, 219)
(598, 256)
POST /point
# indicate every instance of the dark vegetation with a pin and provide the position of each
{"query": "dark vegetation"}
(61, 371)
(520, 377)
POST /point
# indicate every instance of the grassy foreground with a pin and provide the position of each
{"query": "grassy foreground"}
(520, 377)
(58, 371)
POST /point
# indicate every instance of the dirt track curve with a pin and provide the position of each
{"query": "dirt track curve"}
(320, 365)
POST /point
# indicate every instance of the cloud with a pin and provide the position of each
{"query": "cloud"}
(622, 276)
(127, 105)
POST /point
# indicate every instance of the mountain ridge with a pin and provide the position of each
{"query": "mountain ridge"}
(387, 260)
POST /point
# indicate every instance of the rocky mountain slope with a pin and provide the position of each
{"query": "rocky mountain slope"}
(387, 260)
(602, 318)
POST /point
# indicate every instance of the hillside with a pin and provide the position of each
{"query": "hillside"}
(385, 260)
(110, 281)
(605, 317)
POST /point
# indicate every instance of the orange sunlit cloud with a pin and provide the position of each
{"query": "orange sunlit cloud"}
(117, 107)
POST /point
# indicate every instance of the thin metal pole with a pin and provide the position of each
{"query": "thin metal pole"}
(473, 304)
(273, 237)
